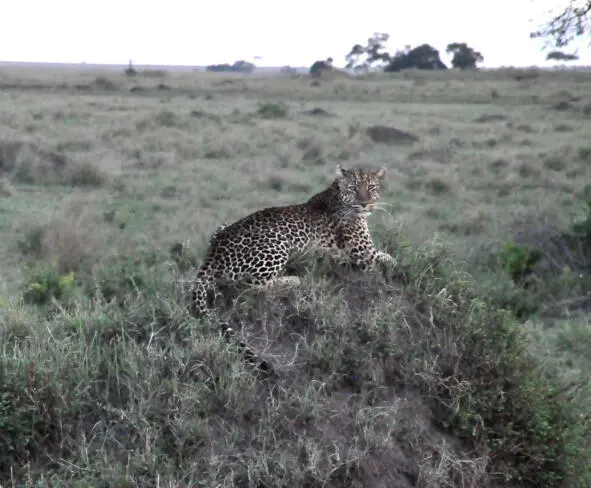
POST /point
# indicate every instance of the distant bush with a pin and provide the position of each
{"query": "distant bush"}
(24, 162)
(130, 70)
(547, 267)
(154, 73)
(237, 67)
(288, 71)
(70, 241)
(582, 228)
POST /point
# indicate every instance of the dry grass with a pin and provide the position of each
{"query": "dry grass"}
(113, 171)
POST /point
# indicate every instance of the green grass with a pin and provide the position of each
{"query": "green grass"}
(433, 377)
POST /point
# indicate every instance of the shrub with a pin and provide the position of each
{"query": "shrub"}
(72, 240)
(518, 261)
(44, 284)
(271, 110)
(130, 70)
(488, 388)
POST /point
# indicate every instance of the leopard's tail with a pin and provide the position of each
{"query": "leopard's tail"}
(198, 307)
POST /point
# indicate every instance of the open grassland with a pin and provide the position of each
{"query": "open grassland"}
(468, 368)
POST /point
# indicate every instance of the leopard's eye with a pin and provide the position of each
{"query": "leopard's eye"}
(372, 187)
(352, 188)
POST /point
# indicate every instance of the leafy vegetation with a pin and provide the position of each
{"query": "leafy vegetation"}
(464, 57)
(571, 22)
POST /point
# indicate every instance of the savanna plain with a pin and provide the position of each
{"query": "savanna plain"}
(467, 366)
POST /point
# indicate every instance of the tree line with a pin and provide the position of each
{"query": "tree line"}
(559, 31)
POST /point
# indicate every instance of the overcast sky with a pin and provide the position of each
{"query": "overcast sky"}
(296, 33)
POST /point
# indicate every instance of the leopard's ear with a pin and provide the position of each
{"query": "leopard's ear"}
(340, 172)
(381, 173)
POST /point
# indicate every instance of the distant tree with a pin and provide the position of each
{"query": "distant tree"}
(243, 66)
(354, 58)
(574, 21)
(464, 57)
(288, 70)
(561, 56)
(362, 57)
(420, 57)
(218, 67)
(320, 67)
(130, 70)
(239, 67)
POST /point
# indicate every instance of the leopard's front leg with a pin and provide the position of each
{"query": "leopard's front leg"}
(356, 241)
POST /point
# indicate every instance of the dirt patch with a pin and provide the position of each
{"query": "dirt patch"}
(384, 134)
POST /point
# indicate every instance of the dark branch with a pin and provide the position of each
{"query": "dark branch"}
(574, 21)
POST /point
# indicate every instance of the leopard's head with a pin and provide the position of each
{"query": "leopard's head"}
(359, 189)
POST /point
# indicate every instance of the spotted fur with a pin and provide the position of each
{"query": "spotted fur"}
(257, 248)
(217, 233)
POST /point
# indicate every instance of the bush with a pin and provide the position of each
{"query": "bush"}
(271, 110)
(552, 266)
(518, 261)
(44, 284)
(28, 413)
(489, 389)
(72, 239)
(130, 70)
(582, 228)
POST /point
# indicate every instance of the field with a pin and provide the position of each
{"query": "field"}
(467, 367)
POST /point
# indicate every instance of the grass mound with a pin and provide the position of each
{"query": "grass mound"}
(414, 381)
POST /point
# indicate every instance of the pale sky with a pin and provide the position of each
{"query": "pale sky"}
(296, 33)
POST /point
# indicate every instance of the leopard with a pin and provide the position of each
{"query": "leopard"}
(256, 249)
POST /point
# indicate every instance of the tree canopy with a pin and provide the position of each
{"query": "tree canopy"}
(321, 66)
(464, 57)
(362, 57)
(420, 57)
(574, 21)
(561, 56)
